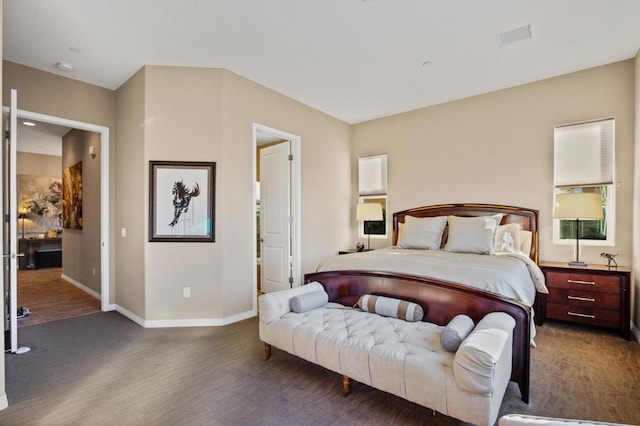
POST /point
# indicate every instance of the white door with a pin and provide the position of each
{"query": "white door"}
(10, 211)
(275, 217)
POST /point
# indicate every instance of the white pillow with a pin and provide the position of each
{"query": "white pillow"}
(421, 232)
(472, 234)
(309, 301)
(526, 238)
(507, 239)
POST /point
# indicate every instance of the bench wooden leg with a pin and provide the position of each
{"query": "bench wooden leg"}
(267, 351)
(346, 385)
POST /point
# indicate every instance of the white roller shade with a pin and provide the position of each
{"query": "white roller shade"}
(584, 154)
(372, 175)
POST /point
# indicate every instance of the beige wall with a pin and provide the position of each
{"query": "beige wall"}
(183, 116)
(130, 195)
(325, 170)
(197, 114)
(498, 148)
(29, 163)
(81, 248)
(50, 94)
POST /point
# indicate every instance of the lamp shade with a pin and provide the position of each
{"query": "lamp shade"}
(368, 211)
(583, 206)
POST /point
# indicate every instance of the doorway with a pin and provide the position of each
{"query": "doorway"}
(103, 134)
(46, 290)
(264, 135)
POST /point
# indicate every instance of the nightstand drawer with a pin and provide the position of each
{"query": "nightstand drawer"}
(588, 282)
(584, 298)
(584, 315)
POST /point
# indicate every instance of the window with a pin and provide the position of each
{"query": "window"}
(372, 188)
(584, 161)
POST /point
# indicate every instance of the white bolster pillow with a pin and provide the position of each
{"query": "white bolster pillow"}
(272, 306)
(309, 301)
(455, 332)
(474, 365)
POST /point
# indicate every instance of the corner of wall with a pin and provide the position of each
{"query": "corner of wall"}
(635, 267)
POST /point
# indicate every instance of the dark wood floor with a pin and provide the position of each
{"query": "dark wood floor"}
(51, 298)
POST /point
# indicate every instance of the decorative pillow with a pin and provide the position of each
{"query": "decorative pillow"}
(526, 238)
(421, 232)
(309, 301)
(455, 332)
(389, 307)
(507, 239)
(472, 234)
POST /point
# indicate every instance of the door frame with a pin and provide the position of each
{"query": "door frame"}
(104, 190)
(296, 255)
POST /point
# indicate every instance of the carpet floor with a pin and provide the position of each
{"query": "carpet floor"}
(102, 369)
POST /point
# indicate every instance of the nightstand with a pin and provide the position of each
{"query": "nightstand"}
(352, 251)
(594, 295)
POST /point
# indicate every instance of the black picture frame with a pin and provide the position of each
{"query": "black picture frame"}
(182, 201)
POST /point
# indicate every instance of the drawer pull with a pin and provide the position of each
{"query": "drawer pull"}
(582, 282)
(581, 315)
(583, 299)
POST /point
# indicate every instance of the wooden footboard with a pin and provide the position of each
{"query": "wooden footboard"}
(441, 302)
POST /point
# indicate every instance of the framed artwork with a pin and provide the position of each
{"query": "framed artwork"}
(72, 196)
(40, 200)
(182, 201)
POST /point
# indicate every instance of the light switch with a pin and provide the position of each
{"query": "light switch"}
(123, 232)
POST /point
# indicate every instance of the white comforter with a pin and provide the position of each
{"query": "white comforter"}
(511, 275)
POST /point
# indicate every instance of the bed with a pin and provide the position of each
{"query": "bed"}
(349, 276)
(455, 256)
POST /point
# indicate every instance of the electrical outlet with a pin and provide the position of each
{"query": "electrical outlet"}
(123, 232)
(186, 292)
(94, 272)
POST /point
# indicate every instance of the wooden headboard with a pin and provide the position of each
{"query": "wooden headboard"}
(527, 218)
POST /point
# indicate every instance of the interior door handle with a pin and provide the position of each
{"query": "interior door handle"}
(13, 255)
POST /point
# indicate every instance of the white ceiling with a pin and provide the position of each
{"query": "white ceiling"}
(44, 138)
(353, 59)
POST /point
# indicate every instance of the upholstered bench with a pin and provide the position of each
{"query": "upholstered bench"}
(404, 358)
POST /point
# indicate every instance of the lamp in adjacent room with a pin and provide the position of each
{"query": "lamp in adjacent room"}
(578, 206)
(24, 217)
(368, 212)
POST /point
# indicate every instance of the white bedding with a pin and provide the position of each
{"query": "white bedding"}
(511, 275)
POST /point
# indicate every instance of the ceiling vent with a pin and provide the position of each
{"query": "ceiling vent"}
(519, 34)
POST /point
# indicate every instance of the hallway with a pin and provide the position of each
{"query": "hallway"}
(49, 298)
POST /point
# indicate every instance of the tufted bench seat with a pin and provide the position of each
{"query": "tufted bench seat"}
(396, 356)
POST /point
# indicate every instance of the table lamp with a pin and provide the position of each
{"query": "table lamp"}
(368, 212)
(578, 206)
(23, 216)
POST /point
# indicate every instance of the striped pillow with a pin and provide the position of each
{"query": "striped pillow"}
(389, 307)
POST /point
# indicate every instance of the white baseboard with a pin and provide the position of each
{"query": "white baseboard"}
(635, 332)
(81, 286)
(195, 322)
(238, 317)
(4, 402)
(127, 313)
